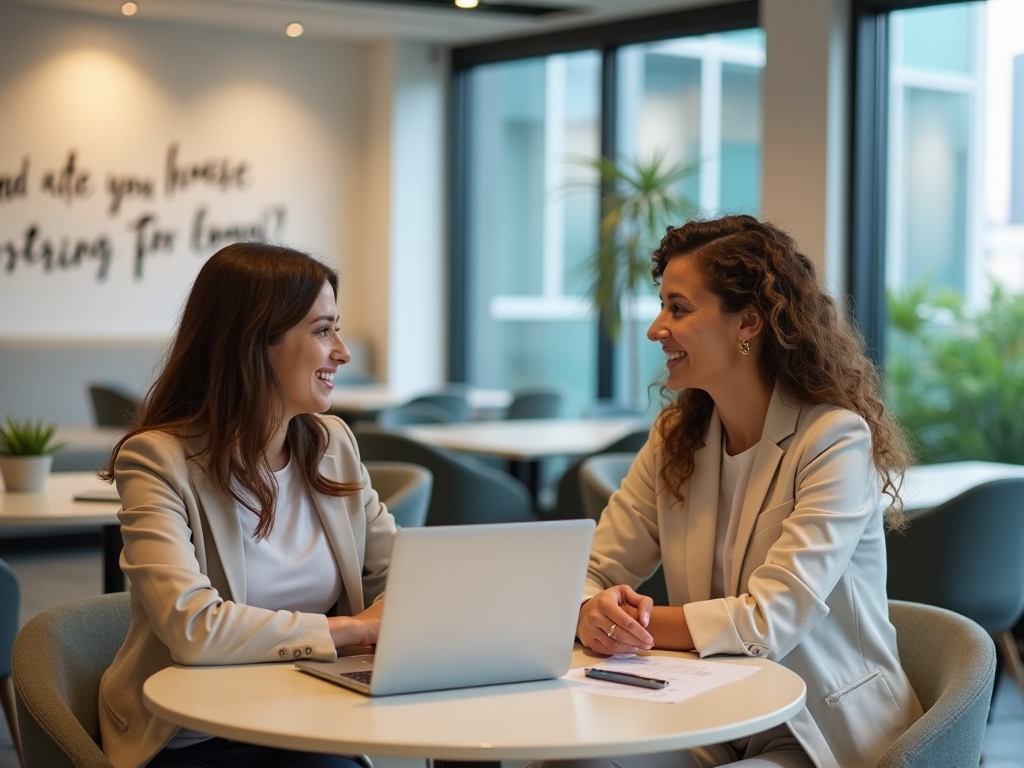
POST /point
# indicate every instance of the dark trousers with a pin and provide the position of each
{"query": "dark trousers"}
(224, 753)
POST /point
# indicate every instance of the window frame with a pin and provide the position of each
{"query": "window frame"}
(606, 38)
(869, 151)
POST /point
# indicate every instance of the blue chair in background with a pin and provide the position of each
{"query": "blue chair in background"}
(10, 606)
(535, 403)
(465, 490)
(967, 556)
(414, 413)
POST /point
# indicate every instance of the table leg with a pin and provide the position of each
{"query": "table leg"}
(529, 473)
(113, 578)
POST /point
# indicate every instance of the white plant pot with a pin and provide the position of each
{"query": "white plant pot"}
(25, 473)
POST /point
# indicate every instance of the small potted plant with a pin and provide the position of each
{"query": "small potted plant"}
(26, 453)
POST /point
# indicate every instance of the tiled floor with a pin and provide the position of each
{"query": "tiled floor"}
(49, 578)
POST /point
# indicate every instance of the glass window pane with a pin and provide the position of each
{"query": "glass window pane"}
(531, 220)
(691, 100)
(954, 246)
(934, 39)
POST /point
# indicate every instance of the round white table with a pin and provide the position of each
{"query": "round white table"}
(276, 705)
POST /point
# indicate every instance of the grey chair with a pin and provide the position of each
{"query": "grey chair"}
(951, 663)
(59, 658)
(568, 500)
(465, 490)
(404, 488)
(600, 476)
(454, 401)
(414, 413)
(10, 606)
(112, 406)
(967, 555)
(535, 403)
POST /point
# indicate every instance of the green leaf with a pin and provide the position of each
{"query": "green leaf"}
(28, 438)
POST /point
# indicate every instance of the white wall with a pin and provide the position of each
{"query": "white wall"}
(401, 272)
(118, 93)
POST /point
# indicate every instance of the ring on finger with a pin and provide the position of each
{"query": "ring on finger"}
(611, 632)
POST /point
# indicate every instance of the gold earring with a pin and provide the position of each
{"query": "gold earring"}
(744, 347)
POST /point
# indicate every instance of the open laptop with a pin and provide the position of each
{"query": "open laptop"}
(472, 605)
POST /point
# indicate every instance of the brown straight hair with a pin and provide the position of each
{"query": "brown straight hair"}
(217, 382)
(811, 352)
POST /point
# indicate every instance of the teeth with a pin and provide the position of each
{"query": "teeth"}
(325, 376)
(675, 355)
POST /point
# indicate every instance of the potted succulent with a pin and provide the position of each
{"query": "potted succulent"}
(26, 453)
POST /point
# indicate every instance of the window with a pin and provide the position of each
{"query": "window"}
(527, 201)
(951, 230)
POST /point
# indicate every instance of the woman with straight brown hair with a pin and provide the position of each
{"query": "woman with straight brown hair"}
(763, 492)
(251, 533)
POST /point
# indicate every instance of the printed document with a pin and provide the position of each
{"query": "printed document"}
(686, 677)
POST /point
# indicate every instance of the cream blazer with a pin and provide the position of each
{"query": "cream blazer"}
(807, 587)
(186, 570)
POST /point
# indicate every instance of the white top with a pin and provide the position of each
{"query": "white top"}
(276, 705)
(732, 488)
(292, 569)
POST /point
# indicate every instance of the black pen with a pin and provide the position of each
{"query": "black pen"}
(625, 678)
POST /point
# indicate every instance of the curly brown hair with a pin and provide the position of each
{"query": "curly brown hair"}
(810, 350)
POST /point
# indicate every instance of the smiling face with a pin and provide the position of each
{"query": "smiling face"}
(700, 340)
(306, 357)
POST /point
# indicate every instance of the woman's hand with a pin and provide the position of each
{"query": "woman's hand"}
(360, 629)
(615, 621)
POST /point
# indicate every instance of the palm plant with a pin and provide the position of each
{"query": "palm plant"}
(640, 197)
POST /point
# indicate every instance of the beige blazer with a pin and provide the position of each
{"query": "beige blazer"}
(186, 570)
(807, 587)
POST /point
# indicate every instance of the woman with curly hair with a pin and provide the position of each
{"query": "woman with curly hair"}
(763, 491)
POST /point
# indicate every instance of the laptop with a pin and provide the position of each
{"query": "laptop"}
(470, 605)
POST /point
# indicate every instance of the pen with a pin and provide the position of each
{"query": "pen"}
(625, 678)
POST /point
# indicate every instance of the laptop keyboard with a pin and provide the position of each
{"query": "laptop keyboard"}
(359, 677)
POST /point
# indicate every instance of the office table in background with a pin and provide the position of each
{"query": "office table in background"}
(929, 485)
(276, 705)
(56, 507)
(524, 442)
(366, 400)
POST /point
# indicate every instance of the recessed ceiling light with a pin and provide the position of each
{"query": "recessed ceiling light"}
(130, 9)
(294, 29)
(467, 3)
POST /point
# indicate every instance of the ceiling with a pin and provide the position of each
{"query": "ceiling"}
(425, 20)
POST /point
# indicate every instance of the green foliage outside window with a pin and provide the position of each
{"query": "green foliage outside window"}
(955, 377)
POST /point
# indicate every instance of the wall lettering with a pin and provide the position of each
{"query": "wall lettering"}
(69, 182)
(14, 185)
(62, 254)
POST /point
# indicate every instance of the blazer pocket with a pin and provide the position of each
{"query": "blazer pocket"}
(774, 515)
(870, 681)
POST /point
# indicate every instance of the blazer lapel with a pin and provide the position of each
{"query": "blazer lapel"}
(220, 518)
(779, 423)
(338, 528)
(702, 512)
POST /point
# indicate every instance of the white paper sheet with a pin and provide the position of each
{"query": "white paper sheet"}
(687, 677)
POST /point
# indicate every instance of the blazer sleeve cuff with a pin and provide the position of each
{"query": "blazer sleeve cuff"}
(713, 631)
(313, 643)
